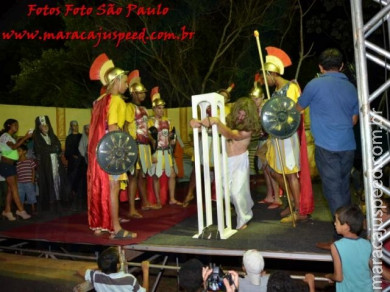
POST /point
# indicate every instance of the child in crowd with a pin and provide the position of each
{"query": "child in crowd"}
(9, 157)
(255, 279)
(110, 278)
(25, 169)
(351, 254)
(191, 276)
(3, 190)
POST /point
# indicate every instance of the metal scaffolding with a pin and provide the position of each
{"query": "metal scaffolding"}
(374, 123)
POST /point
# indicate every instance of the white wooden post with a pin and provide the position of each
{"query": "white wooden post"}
(200, 103)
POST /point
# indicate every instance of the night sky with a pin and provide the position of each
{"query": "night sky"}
(322, 29)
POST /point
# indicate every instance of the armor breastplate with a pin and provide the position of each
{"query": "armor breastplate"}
(282, 91)
(163, 133)
(141, 122)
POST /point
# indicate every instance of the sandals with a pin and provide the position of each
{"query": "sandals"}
(275, 205)
(151, 207)
(123, 234)
(135, 215)
(124, 220)
(187, 201)
(297, 218)
(175, 203)
(285, 212)
(265, 202)
(98, 232)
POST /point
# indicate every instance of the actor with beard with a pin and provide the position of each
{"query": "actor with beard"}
(242, 123)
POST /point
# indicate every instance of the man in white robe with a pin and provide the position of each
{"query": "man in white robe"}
(242, 124)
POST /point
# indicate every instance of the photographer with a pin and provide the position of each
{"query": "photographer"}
(194, 277)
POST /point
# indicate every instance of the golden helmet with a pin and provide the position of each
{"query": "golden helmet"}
(256, 92)
(226, 92)
(276, 60)
(134, 81)
(156, 98)
(157, 102)
(103, 69)
(113, 73)
(137, 87)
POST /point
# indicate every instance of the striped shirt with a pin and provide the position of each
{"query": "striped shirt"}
(25, 170)
(114, 282)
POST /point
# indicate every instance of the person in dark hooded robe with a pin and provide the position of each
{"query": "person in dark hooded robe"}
(74, 158)
(52, 180)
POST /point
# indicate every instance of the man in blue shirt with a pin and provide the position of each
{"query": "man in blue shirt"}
(334, 111)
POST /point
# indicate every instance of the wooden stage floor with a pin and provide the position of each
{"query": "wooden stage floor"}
(264, 232)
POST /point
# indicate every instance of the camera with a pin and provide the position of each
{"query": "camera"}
(215, 280)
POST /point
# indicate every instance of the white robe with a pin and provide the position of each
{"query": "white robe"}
(240, 195)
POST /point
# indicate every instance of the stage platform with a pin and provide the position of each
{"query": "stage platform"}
(264, 232)
(171, 230)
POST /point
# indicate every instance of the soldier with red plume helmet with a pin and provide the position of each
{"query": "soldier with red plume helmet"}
(165, 139)
(272, 196)
(293, 153)
(108, 114)
(137, 127)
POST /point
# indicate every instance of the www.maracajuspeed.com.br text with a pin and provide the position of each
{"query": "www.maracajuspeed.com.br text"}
(100, 35)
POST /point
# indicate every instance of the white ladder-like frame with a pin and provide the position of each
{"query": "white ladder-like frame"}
(205, 218)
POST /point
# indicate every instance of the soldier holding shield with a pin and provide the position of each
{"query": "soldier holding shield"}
(108, 114)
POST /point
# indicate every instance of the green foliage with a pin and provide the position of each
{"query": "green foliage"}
(55, 79)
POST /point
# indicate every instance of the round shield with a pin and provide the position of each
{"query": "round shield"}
(116, 152)
(279, 117)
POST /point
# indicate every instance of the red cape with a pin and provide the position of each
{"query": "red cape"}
(99, 204)
(306, 205)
